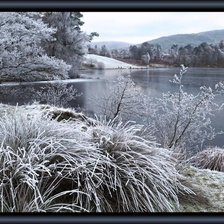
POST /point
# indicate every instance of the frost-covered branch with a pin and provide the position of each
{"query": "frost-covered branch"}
(119, 99)
(57, 95)
(180, 119)
(117, 111)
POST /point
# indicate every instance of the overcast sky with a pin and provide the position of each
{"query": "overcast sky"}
(137, 27)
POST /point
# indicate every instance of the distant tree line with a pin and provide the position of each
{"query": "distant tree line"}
(203, 55)
(140, 54)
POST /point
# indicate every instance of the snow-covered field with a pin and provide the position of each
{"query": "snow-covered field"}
(107, 63)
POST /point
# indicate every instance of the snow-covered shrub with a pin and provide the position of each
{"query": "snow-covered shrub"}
(57, 95)
(89, 63)
(120, 98)
(182, 120)
(211, 158)
(100, 65)
(74, 166)
(21, 55)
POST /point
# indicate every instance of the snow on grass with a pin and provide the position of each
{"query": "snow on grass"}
(52, 163)
(107, 63)
(211, 158)
(211, 185)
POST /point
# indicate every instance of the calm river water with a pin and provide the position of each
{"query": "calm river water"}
(153, 81)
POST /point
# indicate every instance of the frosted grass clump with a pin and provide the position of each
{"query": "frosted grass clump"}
(33, 157)
(51, 166)
(212, 158)
(142, 177)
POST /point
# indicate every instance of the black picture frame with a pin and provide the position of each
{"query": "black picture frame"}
(115, 5)
(108, 5)
(101, 218)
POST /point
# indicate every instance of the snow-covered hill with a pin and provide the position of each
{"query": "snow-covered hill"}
(101, 62)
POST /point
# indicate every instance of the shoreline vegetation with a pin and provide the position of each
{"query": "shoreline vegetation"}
(49, 172)
(93, 62)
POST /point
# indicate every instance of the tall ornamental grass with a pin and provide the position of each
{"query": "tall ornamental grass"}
(73, 166)
(211, 158)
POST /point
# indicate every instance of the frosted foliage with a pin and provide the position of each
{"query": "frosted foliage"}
(21, 57)
(211, 158)
(51, 166)
(57, 95)
(70, 42)
(180, 119)
(120, 99)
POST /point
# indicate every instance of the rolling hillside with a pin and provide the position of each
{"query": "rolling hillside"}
(211, 37)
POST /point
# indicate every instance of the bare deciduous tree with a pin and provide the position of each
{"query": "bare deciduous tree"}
(181, 119)
(119, 99)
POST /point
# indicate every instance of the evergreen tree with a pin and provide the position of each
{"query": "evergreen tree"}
(105, 51)
(21, 56)
(70, 43)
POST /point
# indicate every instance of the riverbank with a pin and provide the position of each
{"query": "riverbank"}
(61, 81)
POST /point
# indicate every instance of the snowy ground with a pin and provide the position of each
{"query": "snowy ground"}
(211, 184)
(107, 63)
